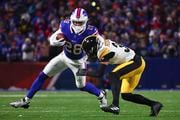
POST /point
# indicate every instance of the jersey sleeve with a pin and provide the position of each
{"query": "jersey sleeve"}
(104, 53)
(95, 31)
(61, 25)
(92, 30)
(104, 50)
(64, 24)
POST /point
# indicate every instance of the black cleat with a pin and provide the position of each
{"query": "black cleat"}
(155, 109)
(111, 109)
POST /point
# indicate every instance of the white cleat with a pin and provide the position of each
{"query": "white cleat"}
(102, 99)
(23, 103)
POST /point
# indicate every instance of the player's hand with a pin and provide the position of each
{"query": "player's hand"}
(57, 39)
(81, 72)
(107, 57)
(60, 37)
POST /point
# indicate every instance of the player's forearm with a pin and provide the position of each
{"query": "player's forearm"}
(98, 73)
(57, 39)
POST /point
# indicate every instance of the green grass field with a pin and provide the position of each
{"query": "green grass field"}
(76, 105)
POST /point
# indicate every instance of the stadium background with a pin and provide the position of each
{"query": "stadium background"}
(150, 27)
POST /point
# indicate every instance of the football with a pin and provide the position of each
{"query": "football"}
(60, 37)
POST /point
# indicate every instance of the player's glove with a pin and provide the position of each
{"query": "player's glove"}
(81, 72)
(107, 57)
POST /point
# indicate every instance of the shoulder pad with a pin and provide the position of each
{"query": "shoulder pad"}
(90, 27)
(66, 21)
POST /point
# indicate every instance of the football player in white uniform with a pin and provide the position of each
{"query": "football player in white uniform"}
(70, 34)
(128, 70)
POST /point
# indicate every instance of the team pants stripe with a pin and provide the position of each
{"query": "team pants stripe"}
(127, 67)
(130, 74)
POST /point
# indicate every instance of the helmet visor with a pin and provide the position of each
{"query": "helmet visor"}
(78, 23)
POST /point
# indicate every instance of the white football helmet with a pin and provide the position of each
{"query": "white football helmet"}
(79, 20)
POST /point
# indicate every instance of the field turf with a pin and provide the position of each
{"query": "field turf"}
(76, 105)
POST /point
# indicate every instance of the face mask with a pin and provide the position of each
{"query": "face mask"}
(78, 29)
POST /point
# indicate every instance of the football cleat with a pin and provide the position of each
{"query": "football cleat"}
(111, 109)
(103, 99)
(155, 109)
(23, 103)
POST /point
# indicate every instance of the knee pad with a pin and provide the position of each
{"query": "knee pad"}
(79, 87)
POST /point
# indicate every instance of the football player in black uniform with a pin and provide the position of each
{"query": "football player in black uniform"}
(129, 68)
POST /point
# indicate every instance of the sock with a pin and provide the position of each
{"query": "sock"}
(90, 88)
(27, 99)
(37, 84)
(136, 98)
(115, 87)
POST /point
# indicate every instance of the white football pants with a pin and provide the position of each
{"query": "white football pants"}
(61, 62)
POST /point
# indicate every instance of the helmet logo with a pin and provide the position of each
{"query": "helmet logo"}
(79, 20)
(78, 15)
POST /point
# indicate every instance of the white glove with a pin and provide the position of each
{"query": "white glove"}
(57, 39)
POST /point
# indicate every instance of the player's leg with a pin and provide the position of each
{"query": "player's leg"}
(115, 87)
(92, 89)
(127, 89)
(128, 86)
(115, 77)
(50, 69)
(98, 73)
(119, 72)
(127, 94)
(87, 86)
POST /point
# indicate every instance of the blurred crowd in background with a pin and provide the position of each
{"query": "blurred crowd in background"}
(150, 27)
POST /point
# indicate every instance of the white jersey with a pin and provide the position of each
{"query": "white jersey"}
(121, 53)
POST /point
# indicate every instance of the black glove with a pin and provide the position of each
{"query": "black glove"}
(81, 72)
(108, 56)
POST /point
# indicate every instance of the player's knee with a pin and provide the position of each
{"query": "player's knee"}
(80, 86)
(126, 96)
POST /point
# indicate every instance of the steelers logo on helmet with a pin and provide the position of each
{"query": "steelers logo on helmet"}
(89, 45)
(79, 20)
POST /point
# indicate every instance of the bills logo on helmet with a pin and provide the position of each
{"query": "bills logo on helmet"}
(79, 20)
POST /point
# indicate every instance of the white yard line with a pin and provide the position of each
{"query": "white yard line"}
(45, 95)
(40, 111)
(55, 111)
(7, 96)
